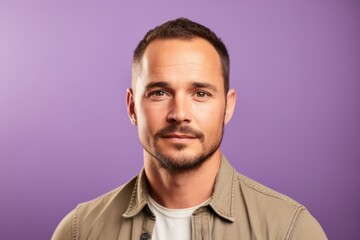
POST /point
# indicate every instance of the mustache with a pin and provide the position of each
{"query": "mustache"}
(179, 129)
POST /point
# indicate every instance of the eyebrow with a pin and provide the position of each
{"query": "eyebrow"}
(194, 84)
(156, 84)
(204, 85)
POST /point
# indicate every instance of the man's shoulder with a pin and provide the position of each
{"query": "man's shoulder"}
(248, 192)
(252, 189)
(102, 214)
(267, 204)
(119, 197)
(275, 210)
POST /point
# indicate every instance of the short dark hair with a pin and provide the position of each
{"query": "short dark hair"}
(184, 28)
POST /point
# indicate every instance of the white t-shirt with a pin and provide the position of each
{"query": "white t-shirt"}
(174, 224)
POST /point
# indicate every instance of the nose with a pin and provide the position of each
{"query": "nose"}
(179, 110)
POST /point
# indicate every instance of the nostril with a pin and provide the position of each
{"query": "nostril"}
(178, 118)
(179, 111)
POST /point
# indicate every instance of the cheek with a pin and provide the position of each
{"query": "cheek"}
(213, 125)
(146, 131)
(210, 114)
(149, 120)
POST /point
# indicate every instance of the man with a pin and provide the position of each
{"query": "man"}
(180, 101)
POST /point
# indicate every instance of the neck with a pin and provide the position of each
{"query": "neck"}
(181, 189)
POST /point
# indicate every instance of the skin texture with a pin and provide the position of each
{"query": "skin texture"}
(179, 107)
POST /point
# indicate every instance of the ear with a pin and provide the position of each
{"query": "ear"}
(230, 105)
(130, 104)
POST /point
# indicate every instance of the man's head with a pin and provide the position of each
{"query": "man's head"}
(183, 28)
(179, 101)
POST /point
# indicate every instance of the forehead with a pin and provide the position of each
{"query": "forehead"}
(177, 51)
(186, 57)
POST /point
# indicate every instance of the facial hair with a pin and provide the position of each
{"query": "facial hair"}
(182, 163)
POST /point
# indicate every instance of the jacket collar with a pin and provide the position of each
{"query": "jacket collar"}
(222, 200)
(139, 196)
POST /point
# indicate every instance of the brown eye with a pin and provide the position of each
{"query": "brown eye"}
(157, 93)
(201, 94)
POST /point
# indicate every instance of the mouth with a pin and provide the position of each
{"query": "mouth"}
(179, 136)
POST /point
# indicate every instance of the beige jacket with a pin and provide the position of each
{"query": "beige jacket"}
(240, 208)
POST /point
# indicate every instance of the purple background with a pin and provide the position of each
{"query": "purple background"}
(65, 137)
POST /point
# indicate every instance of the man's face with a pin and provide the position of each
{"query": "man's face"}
(178, 102)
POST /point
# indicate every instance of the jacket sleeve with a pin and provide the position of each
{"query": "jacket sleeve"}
(306, 227)
(66, 230)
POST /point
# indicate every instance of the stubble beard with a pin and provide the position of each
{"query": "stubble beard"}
(181, 162)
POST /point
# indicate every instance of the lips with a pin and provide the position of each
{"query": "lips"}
(179, 136)
(176, 133)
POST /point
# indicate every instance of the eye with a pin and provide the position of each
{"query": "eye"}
(201, 94)
(158, 93)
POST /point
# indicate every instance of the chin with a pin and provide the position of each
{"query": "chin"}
(180, 161)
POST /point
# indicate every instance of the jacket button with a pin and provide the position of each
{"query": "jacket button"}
(145, 236)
